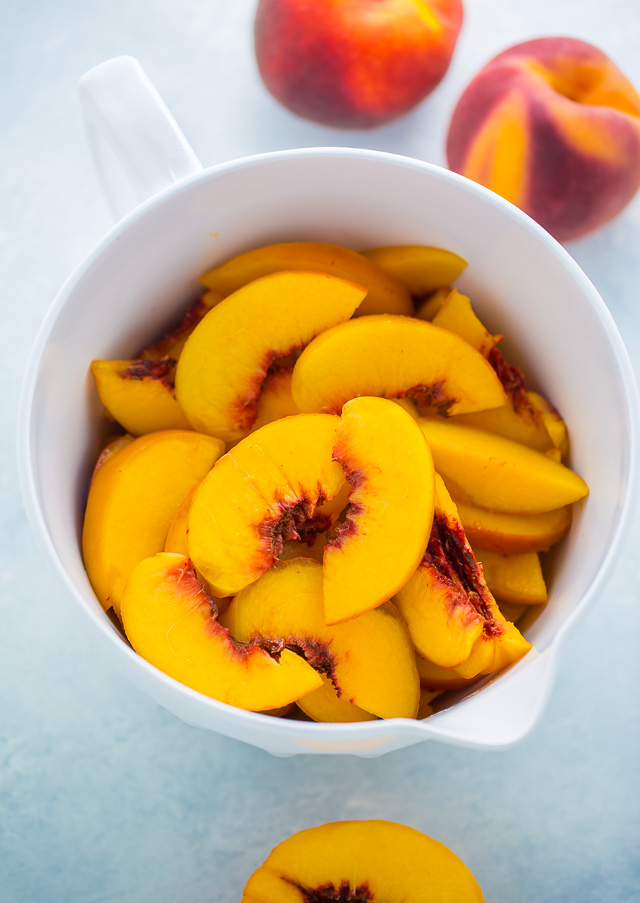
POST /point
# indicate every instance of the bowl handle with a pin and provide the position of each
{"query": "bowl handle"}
(504, 711)
(137, 146)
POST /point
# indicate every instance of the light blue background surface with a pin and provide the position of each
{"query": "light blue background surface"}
(103, 795)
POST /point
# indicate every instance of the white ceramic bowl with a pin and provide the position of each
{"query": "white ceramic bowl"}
(138, 278)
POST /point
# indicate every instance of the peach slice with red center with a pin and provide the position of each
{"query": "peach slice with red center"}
(172, 623)
(370, 659)
(264, 491)
(362, 862)
(514, 578)
(490, 471)
(224, 363)
(140, 394)
(394, 357)
(133, 498)
(446, 603)
(387, 461)
(385, 294)
(420, 268)
(508, 534)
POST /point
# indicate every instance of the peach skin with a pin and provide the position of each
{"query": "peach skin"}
(223, 364)
(133, 498)
(360, 861)
(489, 471)
(369, 659)
(172, 623)
(553, 126)
(420, 268)
(394, 357)
(387, 462)
(140, 394)
(385, 293)
(266, 490)
(354, 63)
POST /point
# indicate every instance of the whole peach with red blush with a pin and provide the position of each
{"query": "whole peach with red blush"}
(354, 63)
(553, 126)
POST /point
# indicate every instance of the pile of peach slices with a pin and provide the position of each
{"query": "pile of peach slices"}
(329, 475)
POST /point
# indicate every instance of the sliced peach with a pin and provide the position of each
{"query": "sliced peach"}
(510, 534)
(512, 611)
(132, 500)
(519, 423)
(324, 704)
(275, 401)
(457, 315)
(552, 420)
(369, 659)
(178, 533)
(225, 361)
(394, 357)
(437, 679)
(420, 268)
(446, 602)
(425, 709)
(361, 861)
(496, 648)
(428, 308)
(172, 623)
(385, 294)
(264, 491)
(493, 472)
(387, 461)
(173, 341)
(140, 394)
(514, 578)
(110, 450)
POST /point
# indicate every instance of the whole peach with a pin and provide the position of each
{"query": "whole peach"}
(354, 63)
(553, 126)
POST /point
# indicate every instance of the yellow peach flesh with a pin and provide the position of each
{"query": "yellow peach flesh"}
(388, 463)
(385, 294)
(420, 268)
(362, 860)
(370, 659)
(171, 622)
(259, 495)
(393, 357)
(224, 364)
(132, 500)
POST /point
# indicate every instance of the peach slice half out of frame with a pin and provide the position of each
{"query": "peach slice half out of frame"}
(385, 294)
(446, 603)
(420, 268)
(510, 534)
(133, 497)
(394, 357)
(362, 861)
(227, 357)
(140, 394)
(490, 471)
(387, 461)
(172, 623)
(369, 659)
(263, 492)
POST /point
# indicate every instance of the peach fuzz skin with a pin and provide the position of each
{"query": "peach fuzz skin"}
(553, 126)
(360, 861)
(354, 63)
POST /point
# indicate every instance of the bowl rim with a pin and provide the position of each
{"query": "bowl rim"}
(267, 725)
